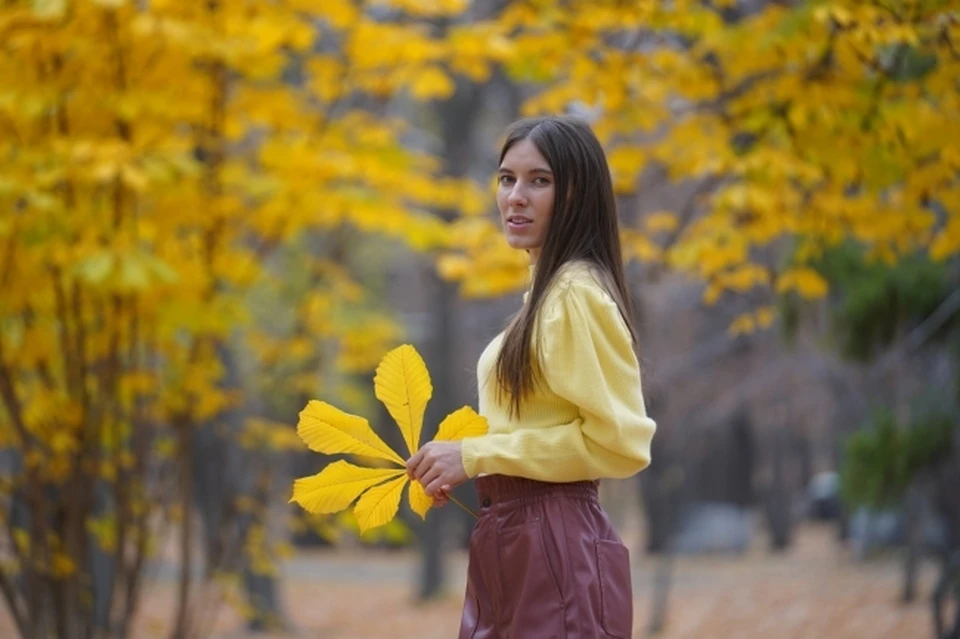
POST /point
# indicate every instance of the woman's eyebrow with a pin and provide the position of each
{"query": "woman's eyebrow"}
(504, 169)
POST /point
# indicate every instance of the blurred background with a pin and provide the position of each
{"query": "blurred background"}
(214, 211)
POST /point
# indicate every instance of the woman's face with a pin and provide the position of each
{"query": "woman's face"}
(525, 192)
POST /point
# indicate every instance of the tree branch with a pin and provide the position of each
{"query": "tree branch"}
(920, 335)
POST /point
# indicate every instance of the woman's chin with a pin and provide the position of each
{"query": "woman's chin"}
(521, 243)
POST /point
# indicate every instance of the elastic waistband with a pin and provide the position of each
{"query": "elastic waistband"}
(500, 490)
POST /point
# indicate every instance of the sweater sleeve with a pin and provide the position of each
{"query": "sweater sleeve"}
(587, 360)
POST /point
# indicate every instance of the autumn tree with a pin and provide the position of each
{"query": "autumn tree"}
(159, 160)
(809, 123)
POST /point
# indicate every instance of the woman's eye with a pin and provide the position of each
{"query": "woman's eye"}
(505, 179)
(542, 181)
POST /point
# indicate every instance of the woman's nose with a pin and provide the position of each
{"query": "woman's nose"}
(517, 196)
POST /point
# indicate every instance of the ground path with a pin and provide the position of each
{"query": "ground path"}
(816, 591)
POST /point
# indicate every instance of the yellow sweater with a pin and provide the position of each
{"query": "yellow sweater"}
(586, 418)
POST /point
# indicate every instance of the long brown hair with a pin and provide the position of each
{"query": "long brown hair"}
(583, 226)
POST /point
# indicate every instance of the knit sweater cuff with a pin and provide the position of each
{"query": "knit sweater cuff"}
(469, 458)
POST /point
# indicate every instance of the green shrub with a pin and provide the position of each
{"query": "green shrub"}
(883, 457)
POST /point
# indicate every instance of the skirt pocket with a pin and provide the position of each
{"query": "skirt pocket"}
(532, 598)
(616, 591)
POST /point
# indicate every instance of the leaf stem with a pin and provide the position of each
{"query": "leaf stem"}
(458, 503)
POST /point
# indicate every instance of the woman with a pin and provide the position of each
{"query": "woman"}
(560, 389)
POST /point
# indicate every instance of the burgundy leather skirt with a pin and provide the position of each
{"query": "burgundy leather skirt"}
(545, 563)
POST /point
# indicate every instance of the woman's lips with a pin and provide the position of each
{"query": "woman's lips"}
(515, 222)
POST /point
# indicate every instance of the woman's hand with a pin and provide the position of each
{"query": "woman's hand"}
(438, 467)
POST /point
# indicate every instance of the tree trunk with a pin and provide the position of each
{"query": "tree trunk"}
(181, 625)
(662, 579)
(742, 451)
(222, 473)
(654, 506)
(947, 589)
(441, 366)
(458, 116)
(777, 506)
(913, 516)
(946, 596)
(665, 497)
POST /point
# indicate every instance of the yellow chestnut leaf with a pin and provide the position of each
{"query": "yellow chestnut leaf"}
(329, 430)
(379, 505)
(337, 486)
(460, 424)
(420, 503)
(402, 383)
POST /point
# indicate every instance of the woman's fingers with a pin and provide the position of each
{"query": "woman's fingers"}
(413, 463)
(435, 465)
(442, 496)
(436, 486)
(429, 477)
(422, 462)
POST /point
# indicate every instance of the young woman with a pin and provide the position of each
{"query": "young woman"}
(560, 389)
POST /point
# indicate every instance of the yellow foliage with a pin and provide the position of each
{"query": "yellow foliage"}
(62, 565)
(361, 343)
(751, 321)
(805, 281)
(484, 266)
(828, 122)
(22, 540)
(431, 83)
(103, 529)
(453, 267)
(743, 324)
(711, 293)
(764, 315)
(660, 221)
(427, 8)
(403, 384)
(255, 548)
(263, 434)
(117, 198)
(743, 278)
